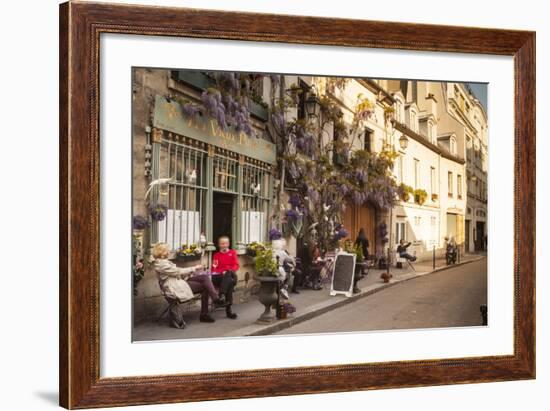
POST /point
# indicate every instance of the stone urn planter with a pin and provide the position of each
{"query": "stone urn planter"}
(267, 296)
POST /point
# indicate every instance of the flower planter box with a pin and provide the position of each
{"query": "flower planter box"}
(187, 258)
(419, 200)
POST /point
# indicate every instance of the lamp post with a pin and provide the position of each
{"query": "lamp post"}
(313, 105)
(403, 144)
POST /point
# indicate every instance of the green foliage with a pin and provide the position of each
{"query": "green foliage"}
(420, 196)
(352, 248)
(265, 263)
(405, 191)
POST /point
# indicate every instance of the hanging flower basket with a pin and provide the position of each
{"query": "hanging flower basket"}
(158, 212)
(420, 196)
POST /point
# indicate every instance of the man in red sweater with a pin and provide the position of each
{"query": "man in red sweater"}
(224, 273)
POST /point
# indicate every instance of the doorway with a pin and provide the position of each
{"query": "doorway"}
(222, 216)
(467, 236)
(480, 233)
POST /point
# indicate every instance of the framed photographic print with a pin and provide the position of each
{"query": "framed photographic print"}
(255, 204)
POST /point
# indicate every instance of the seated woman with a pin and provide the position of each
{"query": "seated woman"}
(224, 273)
(180, 284)
(402, 250)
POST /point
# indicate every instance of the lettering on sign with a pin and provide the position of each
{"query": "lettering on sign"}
(169, 116)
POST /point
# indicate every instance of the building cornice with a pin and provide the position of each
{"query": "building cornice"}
(422, 140)
(375, 87)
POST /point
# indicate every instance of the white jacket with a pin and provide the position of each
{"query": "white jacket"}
(171, 280)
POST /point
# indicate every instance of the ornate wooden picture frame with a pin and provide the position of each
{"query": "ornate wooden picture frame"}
(81, 25)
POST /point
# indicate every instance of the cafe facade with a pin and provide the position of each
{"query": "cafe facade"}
(205, 181)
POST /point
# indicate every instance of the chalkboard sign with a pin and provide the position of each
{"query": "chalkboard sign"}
(343, 274)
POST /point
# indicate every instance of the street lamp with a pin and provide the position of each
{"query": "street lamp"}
(313, 105)
(403, 142)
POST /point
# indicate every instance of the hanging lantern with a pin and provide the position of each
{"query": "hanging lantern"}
(403, 142)
(313, 105)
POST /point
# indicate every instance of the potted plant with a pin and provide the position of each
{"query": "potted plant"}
(266, 274)
(254, 247)
(386, 276)
(404, 191)
(158, 212)
(189, 252)
(420, 196)
(140, 223)
(284, 309)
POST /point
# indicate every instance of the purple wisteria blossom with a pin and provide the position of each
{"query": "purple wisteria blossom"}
(278, 120)
(274, 234)
(140, 222)
(294, 201)
(341, 233)
(292, 215)
(343, 189)
(190, 110)
(305, 142)
(313, 195)
(158, 212)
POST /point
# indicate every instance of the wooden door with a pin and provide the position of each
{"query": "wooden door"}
(357, 217)
(366, 218)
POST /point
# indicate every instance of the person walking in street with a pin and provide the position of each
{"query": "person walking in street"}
(180, 284)
(363, 242)
(402, 250)
(224, 273)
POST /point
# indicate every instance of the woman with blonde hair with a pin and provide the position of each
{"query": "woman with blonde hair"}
(181, 284)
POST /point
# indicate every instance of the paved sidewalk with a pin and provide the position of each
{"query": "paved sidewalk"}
(309, 304)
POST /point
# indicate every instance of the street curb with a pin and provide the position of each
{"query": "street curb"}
(328, 305)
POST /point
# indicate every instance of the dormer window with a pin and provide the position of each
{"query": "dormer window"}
(413, 122)
(398, 111)
(430, 131)
(452, 146)
(399, 108)
(411, 116)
